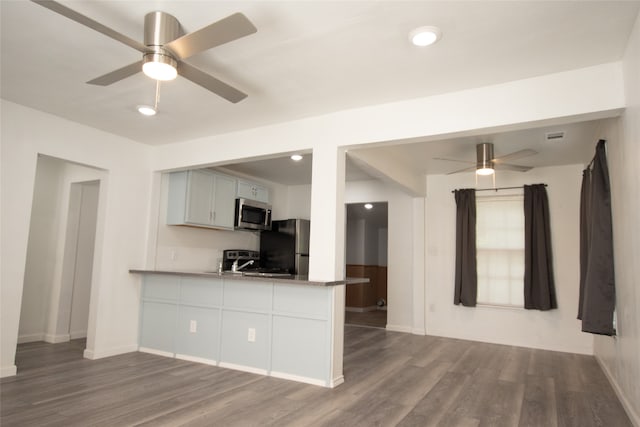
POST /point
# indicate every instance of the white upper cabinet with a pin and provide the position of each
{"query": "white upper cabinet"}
(201, 198)
(252, 191)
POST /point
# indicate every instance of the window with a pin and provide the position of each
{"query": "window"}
(500, 250)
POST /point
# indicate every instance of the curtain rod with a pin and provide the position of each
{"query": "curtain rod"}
(496, 189)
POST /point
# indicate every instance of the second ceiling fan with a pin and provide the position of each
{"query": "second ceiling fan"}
(486, 163)
(165, 47)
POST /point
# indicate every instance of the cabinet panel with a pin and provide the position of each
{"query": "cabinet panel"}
(197, 332)
(300, 347)
(201, 198)
(201, 291)
(158, 326)
(224, 201)
(161, 287)
(252, 191)
(247, 295)
(305, 301)
(236, 348)
(200, 193)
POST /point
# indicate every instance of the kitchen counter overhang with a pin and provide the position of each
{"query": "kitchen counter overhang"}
(291, 280)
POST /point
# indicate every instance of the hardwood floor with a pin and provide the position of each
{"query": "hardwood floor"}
(374, 319)
(391, 379)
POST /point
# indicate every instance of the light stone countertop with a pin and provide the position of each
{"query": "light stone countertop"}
(289, 280)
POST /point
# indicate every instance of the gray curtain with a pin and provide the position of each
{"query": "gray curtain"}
(585, 192)
(597, 297)
(539, 286)
(466, 283)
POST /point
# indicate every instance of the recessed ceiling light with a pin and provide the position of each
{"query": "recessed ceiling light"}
(296, 157)
(368, 206)
(146, 110)
(425, 36)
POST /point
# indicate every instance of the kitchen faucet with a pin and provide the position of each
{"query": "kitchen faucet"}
(235, 267)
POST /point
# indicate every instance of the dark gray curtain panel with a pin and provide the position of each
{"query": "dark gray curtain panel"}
(466, 282)
(585, 193)
(597, 299)
(539, 286)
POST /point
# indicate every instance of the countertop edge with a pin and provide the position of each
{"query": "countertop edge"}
(295, 280)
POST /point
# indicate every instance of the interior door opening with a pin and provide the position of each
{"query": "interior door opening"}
(59, 266)
(366, 256)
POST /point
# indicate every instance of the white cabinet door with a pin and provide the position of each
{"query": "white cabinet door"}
(201, 198)
(252, 191)
(224, 201)
(200, 193)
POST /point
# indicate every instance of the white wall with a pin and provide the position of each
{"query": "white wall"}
(553, 330)
(121, 229)
(620, 356)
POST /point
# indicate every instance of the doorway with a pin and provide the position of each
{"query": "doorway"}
(59, 264)
(366, 256)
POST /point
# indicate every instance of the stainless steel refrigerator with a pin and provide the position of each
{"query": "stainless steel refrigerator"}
(286, 247)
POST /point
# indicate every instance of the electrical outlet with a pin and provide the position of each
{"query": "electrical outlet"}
(251, 335)
(174, 255)
(193, 326)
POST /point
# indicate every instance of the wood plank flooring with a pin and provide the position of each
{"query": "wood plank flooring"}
(374, 319)
(391, 379)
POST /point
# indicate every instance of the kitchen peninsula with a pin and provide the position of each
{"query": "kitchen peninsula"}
(276, 326)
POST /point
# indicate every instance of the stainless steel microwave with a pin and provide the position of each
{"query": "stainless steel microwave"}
(252, 215)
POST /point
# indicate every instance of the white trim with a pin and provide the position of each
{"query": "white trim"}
(418, 331)
(244, 368)
(336, 381)
(300, 379)
(156, 352)
(399, 328)
(633, 415)
(8, 371)
(30, 338)
(196, 359)
(55, 339)
(93, 355)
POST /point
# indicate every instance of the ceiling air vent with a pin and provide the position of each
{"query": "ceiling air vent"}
(554, 136)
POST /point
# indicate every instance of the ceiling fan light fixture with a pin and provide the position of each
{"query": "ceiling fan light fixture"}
(159, 66)
(146, 110)
(485, 171)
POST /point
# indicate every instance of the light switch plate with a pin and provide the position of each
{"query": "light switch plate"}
(251, 335)
(193, 326)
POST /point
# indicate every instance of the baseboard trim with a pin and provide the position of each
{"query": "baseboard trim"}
(336, 381)
(633, 415)
(244, 368)
(416, 331)
(196, 359)
(22, 339)
(93, 355)
(56, 338)
(300, 379)
(399, 328)
(8, 371)
(156, 352)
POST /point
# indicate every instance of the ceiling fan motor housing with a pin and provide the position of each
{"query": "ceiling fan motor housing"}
(160, 28)
(484, 157)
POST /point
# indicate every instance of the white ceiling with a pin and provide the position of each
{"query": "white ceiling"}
(307, 58)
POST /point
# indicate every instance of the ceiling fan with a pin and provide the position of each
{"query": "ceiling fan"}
(486, 163)
(165, 47)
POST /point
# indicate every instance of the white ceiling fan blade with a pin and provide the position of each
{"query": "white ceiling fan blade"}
(117, 75)
(209, 82)
(510, 167)
(88, 22)
(227, 29)
(515, 155)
